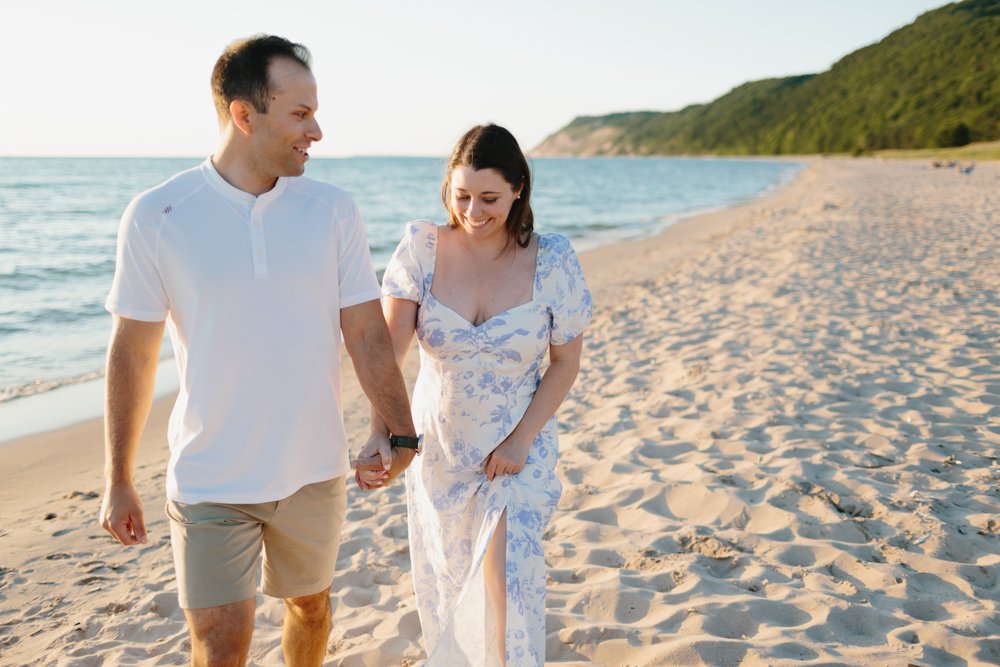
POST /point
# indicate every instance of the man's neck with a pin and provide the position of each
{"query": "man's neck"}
(235, 166)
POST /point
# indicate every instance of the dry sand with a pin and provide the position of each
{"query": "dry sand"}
(781, 450)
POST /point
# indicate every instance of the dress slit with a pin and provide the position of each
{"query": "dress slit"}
(463, 637)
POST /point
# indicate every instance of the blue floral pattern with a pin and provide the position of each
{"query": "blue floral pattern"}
(474, 385)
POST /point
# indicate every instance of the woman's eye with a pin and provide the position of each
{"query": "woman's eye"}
(462, 197)
(490, 201)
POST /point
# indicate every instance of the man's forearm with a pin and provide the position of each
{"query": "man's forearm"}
(382, 381)
(131, 371)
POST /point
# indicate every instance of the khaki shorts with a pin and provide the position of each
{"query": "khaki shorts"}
(217, 547)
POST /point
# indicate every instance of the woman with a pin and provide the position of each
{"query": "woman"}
(487, 298)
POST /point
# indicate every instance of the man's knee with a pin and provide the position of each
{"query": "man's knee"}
(310, 608)
(221, 635)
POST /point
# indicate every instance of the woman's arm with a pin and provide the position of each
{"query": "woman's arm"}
(510, 455)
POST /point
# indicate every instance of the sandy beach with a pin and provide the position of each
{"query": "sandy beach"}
(782, 449)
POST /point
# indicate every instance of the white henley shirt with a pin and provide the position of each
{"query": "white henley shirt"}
(251, 289)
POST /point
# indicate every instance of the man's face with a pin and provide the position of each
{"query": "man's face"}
(281, 137)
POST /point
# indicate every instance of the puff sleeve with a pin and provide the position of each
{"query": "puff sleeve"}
(570, 302)
(404, 276)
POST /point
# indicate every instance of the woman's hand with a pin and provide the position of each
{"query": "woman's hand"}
(507, 459)
(371, 468)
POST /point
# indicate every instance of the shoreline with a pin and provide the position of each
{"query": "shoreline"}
(781, 449)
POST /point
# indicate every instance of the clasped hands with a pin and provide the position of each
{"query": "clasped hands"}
(377, 463)
(374, 466)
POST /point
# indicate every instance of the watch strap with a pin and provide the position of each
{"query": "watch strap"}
(404, 441)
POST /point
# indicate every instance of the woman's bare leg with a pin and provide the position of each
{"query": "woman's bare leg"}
(495, 574)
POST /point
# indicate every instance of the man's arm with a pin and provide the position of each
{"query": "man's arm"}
(401, 318)
(371, 348)
(133, 354)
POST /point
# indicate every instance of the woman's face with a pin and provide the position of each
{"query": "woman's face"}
(481, 200)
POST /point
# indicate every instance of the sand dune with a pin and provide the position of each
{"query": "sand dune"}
(782, 449)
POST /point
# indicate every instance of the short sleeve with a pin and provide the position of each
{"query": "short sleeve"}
(137, 291)
(405, 276)
(355, 273)
(571, 304)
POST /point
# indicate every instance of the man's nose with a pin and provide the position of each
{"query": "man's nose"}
(314, 132)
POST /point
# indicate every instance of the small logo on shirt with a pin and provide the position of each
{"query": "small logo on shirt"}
(168, 209)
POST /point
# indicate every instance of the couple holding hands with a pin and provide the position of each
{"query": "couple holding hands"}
(257, 271)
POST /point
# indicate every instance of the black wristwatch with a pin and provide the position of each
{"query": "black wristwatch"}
(406, 441)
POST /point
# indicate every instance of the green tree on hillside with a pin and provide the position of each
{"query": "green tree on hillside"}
(935, 82)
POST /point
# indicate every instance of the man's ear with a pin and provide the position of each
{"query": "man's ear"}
(242, 114)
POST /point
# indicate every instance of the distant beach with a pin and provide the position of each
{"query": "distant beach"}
(781, 450)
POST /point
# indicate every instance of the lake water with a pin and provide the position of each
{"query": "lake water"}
(59, 218)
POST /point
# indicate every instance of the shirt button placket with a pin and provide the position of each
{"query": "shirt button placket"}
(258, 244)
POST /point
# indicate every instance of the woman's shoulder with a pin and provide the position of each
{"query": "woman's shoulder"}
(417, 228)
(554, 243)
(419, 234)
(557, 261)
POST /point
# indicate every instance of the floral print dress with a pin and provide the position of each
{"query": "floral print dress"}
(474, 385)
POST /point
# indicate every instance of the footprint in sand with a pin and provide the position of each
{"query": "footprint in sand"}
(90, 580)
(602, 515)
(165, 605)
(85, 495)
(793, 651)
(115, 608)
(925, 610)
(855, 626)
(731, 624)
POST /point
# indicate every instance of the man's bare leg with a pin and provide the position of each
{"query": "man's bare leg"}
(220, 636)
(306, 629)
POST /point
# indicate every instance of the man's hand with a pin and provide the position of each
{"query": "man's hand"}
(121, 513)
(369, 473)
(371, 468)
(378, 470)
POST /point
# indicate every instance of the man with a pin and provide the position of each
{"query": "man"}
(256, 273)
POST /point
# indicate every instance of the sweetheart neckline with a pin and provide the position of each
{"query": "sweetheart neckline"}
(489, 319)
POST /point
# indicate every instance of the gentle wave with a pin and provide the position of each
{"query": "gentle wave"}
(41, 386)
(48, 273)
(25, 185)
(62, 315)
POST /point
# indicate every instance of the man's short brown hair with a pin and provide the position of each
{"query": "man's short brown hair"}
(240, 73)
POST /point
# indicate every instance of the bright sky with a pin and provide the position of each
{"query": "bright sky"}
(399, 77)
